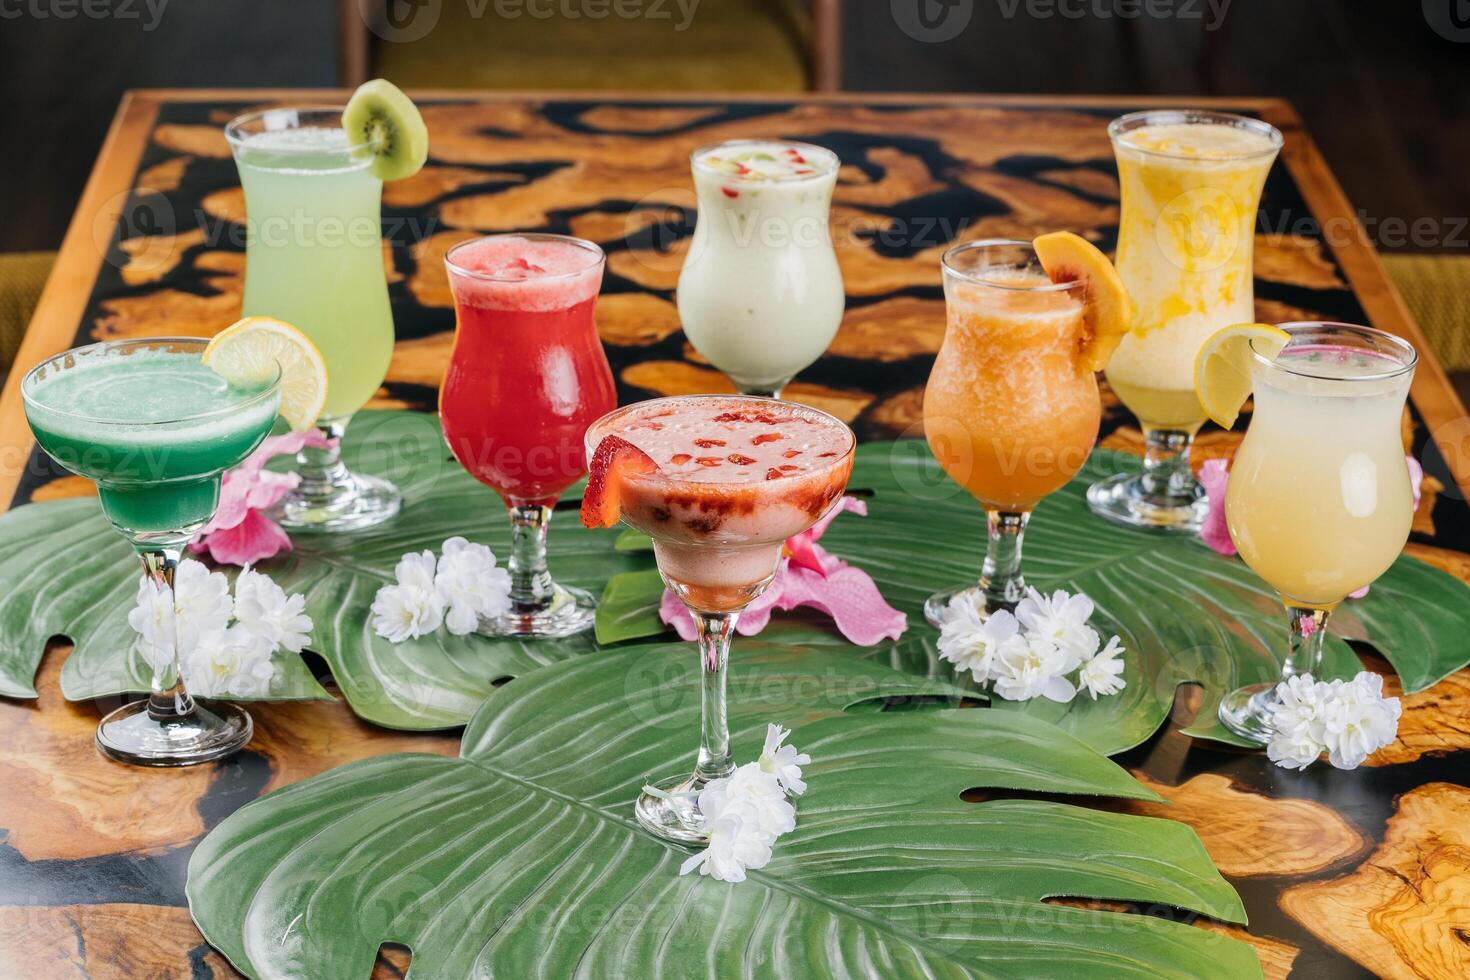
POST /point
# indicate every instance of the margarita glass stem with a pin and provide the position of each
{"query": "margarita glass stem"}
(1000, 576)
(168, 700)
(323, 474)
(1167, 478)
(531, 586)
(715, 631)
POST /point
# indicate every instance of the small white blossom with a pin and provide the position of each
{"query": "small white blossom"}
(1357, 720)
(734, 845)
(470, 586)
(411, 607)
(1032, 666)
(233, 662)
(755, 795)
(971, 640)
(198, 604)
(1061, 619)
(1102, 673)
(263, 608)
(783, 761)
(1349, 720)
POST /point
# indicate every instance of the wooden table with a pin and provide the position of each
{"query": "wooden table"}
(1341, 872)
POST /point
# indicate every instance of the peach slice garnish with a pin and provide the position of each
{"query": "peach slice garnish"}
(1107, 309)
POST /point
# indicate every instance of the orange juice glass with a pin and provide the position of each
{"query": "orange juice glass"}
(1010, 412)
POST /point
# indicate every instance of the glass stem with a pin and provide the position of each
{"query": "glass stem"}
(1000, 576)
(764, 391)
(322, 471)
(1167, 478)
(530, 582)
(715, 630)
(167, 698)
(1304, 650)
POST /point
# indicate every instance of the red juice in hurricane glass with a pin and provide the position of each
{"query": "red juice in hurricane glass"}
(527, 376)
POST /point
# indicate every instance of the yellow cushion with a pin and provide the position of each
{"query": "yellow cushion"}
(1437, 291)
(22, 276)
(724, 45)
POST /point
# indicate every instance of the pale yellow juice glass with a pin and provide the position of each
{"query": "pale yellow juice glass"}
(1011, 411)
(1190, 183)
(1319, 501)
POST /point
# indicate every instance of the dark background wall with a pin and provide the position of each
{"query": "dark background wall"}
(1384, 85)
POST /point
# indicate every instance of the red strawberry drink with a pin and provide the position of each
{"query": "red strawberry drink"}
(526, 377)
(719, 482)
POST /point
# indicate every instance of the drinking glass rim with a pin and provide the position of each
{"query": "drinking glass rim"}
(27, 382)
(753, 400)
(833, 158)
(536, 236)
(235, 138)
(983, 243)
(1119, 128)
(1409, 356)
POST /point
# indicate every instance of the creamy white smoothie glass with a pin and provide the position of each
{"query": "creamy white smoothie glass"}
(760, 294)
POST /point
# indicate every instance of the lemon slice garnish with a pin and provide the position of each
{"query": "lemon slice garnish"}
(1222, 368)
(248, 352)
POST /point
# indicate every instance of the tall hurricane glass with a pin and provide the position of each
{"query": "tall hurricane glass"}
(154, 428)
(730, 479)
(1191, 183)
(314, 258)
(760, 294)
(1320, 500)
(527, 376)
(1011, 412)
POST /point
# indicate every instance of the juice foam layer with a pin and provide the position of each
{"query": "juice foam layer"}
(732, 443)
(767, 161)
(514, 273)
(1202, 141)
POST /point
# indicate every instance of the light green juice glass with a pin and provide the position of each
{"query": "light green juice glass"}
(314, 258)
(154, 428)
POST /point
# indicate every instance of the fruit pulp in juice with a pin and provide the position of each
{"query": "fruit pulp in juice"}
(153, 429)
(528, 373)
(314, 255)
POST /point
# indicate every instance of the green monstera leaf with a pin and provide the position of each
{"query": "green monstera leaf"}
(521, 857)
(1185, 614)
(65, 571)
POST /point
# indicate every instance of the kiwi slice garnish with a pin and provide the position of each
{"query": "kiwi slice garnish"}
(380, 117)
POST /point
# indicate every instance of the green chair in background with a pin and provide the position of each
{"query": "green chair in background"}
(22, 277)
(720, 46)
(1436, 289)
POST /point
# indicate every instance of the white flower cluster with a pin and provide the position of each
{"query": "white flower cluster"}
(1349, 720)
(1034, 651)
(457, 590)
(225, 643)
(747, 810)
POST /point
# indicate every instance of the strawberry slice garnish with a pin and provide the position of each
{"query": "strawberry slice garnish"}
(614, 461)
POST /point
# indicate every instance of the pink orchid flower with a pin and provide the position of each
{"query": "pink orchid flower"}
(808, 576)
(240, 533)
(1215, 475)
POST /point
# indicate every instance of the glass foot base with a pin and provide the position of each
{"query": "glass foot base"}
(213, 731)
(364, 502)
(936, 607)
(1122, 500)
(571, 611)
(676, 819)
(1246, 711)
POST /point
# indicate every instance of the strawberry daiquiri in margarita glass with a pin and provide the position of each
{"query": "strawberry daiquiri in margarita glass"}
(719, 482)
(526, 377)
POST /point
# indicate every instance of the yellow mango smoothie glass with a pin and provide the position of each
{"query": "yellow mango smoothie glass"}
(1191, 184)
(1011, 410)
(1320, 501)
